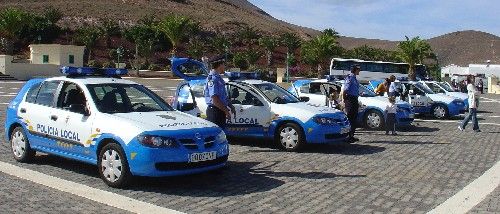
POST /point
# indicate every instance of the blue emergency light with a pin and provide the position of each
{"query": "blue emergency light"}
(89, 71)
(241, 75)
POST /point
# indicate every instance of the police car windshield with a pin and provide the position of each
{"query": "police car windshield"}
(276, 94)
(365, 92)
(125, 98)
(446, 87)
(424, 88)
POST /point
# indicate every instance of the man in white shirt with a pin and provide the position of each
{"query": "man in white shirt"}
(473, 96)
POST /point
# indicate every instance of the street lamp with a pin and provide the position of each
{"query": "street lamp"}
(119, 52)
(287, 66)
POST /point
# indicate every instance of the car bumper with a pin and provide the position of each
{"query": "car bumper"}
(322, 134)
(454, 109)
(158, 162)
(404, 118)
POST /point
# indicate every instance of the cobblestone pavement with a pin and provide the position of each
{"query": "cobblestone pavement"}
(410, 173)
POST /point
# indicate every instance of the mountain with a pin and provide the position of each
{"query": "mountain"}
(459, 48)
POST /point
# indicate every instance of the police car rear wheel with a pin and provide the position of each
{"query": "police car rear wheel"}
(113, 166)
(439, 111)
(374, 119)
(21, 146)
(290, 137)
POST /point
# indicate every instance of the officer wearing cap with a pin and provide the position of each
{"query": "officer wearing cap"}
(350, 96)
(218, 105)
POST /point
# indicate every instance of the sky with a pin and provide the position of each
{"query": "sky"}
(388, 19)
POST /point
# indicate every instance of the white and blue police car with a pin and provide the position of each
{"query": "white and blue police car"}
(371, 112)
(425, 101)
(443, 88)
(263, 109)
(120, 126)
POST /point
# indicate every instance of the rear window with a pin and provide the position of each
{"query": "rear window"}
(46, 93)
(32, 92)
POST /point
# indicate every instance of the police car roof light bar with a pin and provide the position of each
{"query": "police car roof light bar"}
(241, 75)
(89, 71)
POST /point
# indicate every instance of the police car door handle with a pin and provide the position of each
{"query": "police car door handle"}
(53, 117)
(22, 110)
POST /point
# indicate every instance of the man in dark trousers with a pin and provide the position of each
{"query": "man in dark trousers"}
(218, 105)
(350, 95)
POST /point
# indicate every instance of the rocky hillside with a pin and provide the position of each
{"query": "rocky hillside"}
(459, 48)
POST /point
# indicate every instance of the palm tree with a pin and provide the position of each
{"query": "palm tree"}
(145, 37)
(319, 50)
(176, 28)
(247, 35)
(414, 51)
(269, 43)
(110, 28)
(88, 36)
(12, 23)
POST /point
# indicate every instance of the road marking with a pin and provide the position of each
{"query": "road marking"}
(4, 103)
(452, 121)
(472, 194)
(7, 95)
(97, 195)
(13, 82)
(491, 100)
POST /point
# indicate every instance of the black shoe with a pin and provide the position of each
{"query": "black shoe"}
(354, 139)
(477, 130)
(387, 133)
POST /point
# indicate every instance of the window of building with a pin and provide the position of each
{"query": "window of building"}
(45, 59)
(71, 59)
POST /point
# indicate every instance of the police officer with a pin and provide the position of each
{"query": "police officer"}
(350, 95)
(218, 105)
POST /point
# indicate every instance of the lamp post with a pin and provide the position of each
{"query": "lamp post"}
(119, 52)
(287, 66)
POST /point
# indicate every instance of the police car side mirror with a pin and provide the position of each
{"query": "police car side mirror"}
(304, 99)
(411, 92)
(79, 108)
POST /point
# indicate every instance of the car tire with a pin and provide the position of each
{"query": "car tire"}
(374, 119)
(290, 137)
(439, 111)
(113, 165)
(20, 145)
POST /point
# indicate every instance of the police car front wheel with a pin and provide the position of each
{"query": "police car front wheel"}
(290, 137)
(440, 111)
(21, 146)
(113, 165)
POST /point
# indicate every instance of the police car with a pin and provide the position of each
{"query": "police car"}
(425, 101)
(263, 109)
(372, 107)
(443, 88)
(120, 126)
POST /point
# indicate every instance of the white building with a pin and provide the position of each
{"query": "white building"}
(473, 69)
(45, 61)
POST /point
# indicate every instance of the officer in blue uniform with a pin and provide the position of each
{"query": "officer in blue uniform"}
(218, 105)
(350, 96)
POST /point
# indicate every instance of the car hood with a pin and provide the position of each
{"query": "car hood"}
(441, 98)
(458, 95)
(163, 120)
(303, 111)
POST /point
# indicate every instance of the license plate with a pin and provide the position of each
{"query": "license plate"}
(412, 116)
(203, 156)
(345, 130)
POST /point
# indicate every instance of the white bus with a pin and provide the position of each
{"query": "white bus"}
(371, 70)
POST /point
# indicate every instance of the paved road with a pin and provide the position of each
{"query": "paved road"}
(410, 173)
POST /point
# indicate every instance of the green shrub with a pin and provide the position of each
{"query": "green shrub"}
(94, 63)
(108, 64)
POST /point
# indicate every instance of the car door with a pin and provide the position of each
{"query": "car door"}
(417, 98)
(37, 112)
(316, 93)
(252, 112)
(74, 120)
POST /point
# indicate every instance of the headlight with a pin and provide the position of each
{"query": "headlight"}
(221, 138)
(157, 141)
(326, 121)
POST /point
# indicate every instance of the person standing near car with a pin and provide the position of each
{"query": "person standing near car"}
(218, 105)
(393, 89)
(350, 95)
(472, 94)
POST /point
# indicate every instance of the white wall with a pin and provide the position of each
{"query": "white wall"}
(25, 71)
